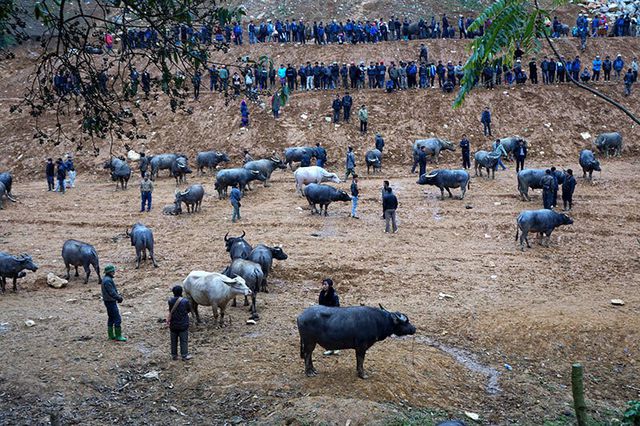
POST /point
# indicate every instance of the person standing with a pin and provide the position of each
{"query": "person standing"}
(554, 188)
(465, 148)
(521, 155)
(246, 157)
(363, 115)
(385, 185)
(111, 298)
(244, 114)
(347, 102)
(337, 106)
(146, 188)
(422, 161)
(50, 171)
(485, 119)
(547, 190)
(499, 149)
(61, 174)
(379, 142)
(321, 155)
(568, 186)
(329, 297)
(628, 81)
(196, 80)
(179, 308)
(390, 205)
(350, 163)
(71, 171)
(354, 197)
(275, 105)
(235, 197)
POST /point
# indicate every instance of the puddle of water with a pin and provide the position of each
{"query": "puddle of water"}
(467, 360)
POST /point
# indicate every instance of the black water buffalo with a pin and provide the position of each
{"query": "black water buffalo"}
(158, 162)
(588, 163)
(237, 247)
(180, 169)
(142, 240)
(357, 327)
(532, 178)
(3, 193)
(266, 166)
(510, 144)
(487, 160)
(191, 197)
(7, 180)
(13, 267)
(433, 146)
(252, 274)
(77, 253)
(210, 159)
(373, 158)
(296, 154)
(445, 179)
(264, 255)
(232, 177)
(542, 221)
(120, 171)
(607, 142)
(323, 195)
(172, 209)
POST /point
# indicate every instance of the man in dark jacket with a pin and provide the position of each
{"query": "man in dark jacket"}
(389, 206)
(379, 142)
(533, 71)
(547, 190)
(50, 170)
(568, 186)
(422, 161)
(347, 101)
(355, 192)
(337, 106)
(61, 174)
(521, 155)
(234, 198)
(465, 148)
(111, 298)
(321, 155)
(329, 297)
(179, 309)
(485, 119)
(554, 189)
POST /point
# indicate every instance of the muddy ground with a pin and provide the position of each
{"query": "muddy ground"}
(537, 311)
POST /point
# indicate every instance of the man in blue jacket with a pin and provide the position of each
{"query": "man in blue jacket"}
(235, 197)
(618, 65)
(337, 106)
(485, 119)
(347, 102)
(465, 148)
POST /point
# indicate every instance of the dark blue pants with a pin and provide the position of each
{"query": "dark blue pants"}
(61, 185)
(547, 199)
(113, 313)
(50, 183)
(466, 161)
(146, 199)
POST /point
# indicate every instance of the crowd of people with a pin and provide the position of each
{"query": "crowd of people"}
(61, 174)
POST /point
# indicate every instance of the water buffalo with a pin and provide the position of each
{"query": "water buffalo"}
(264, 255)
(296, 154)
(542, 221)
(7, 180)
(212, 289)
(210, 159)
(252, 274)
(180, 169)
(172, 209)
(142, 240)
(487, 160)
(13, 267)
(158, 162)
(356, 327)
(445, 179)
(433, 146)
(323, 195)
(232, 177)
(3, 193)
(77, 253)
(237, 247)
(607, 142)
(510, 144)
(588, 163)
(532, 178)
(266, 166)
(120, 171)
(373, 158)
(313, 174)
(191, 197)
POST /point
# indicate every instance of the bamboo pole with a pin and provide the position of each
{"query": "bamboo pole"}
(577, 389)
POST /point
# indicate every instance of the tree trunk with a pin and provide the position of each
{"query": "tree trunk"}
(578, 394)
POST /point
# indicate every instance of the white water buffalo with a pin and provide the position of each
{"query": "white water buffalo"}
(212, 289)
(313, 174)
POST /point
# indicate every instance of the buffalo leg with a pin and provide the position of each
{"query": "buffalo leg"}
(15, 285)
(326, 206)
(263, 285)
(246, 301)
(308, 361)
(195, 311)
(442, 193)
(360, 363)
(254, 310)
(138, 257)
(77, 271)
(234, 303)
(66, 265)
(86, 271)
(222, 308)
(449, 191)
(3, 283)
(153, 258)
(214, 308)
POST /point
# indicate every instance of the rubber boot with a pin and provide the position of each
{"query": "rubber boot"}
(110, 331)
(119, 336)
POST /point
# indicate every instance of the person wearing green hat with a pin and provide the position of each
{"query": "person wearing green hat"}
(111, 298)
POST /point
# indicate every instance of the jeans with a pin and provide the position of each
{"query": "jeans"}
(309, 82)
(347, 113)
(60, 187)
(146, 199)
(184, 343)
(354, 205)
(501, 164)
(336, 116)
(363, 126)
(390, 217)
(350, 171)
(236, 212)
(50, 183)
(113, 314)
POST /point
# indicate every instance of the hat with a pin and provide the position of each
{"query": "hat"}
(109, 268)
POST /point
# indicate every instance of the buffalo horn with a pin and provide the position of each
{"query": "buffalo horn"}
(382, 307)
(126, 232)
(185, 192)
(225, 236)
(255, 172)
(243, 234)
(432, 175)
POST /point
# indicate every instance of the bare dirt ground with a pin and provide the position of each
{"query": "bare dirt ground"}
(537, 311)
